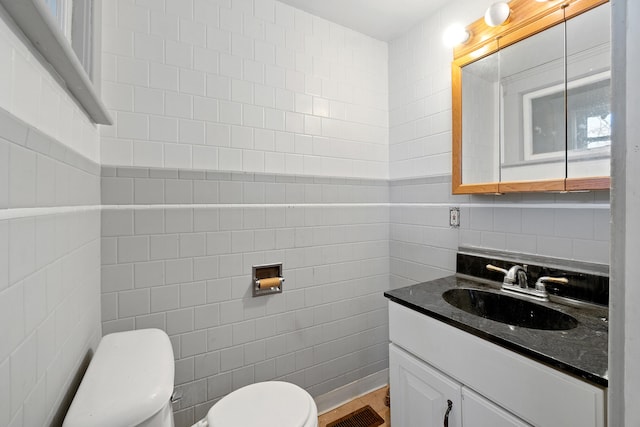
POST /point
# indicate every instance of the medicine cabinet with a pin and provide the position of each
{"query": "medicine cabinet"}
(531, 100)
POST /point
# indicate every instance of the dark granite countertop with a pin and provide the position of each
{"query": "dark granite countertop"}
(582, 351)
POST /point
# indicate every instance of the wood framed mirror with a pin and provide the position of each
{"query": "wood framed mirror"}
(531, 105)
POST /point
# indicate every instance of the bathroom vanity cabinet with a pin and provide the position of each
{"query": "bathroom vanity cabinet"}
(421, 392)
(431, 363)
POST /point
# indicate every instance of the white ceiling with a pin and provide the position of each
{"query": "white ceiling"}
(381, 19)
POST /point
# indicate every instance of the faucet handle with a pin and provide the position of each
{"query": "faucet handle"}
(546, 279)
(498, 269)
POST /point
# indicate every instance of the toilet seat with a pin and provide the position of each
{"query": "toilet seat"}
(265, 404)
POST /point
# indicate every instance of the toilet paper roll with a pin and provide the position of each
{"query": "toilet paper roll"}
(271, 282)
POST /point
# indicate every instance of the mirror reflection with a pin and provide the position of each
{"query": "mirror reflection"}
(481, 126)
(540, 109)
(532, 81)
(589, 93)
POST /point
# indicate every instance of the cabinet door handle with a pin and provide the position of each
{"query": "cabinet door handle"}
(446, 414)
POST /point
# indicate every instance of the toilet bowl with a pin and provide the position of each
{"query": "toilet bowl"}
(271, 404)
(129, 382)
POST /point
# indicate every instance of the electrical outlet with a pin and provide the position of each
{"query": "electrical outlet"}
(454, 217)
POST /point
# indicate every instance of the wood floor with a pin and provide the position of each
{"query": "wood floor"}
(375, 399)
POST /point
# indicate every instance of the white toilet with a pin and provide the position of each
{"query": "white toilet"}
(129, 383)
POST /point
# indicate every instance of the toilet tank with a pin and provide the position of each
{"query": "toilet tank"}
(129, 381)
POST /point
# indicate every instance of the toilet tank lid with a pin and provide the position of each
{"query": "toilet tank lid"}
(129, 379)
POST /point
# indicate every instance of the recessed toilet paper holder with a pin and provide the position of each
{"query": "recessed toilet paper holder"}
(267, 279)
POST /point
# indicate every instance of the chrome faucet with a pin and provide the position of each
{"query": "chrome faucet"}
(515, 276)
(516, 281)
(520, 276)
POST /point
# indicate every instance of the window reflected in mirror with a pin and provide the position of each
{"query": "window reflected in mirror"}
(588, 119)
(532, 82)
(589, 94)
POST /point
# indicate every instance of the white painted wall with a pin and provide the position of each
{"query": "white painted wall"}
(242, 86)
(29, 91)
(624, 337)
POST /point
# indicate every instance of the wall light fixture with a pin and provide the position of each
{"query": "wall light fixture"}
(497, 14)
(455, 34)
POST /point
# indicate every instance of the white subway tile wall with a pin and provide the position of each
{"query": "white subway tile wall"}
(186, 269)
(30, 92)
(212, 84)
(49, 272)
(127, 186)
(420, 93)
(423, 246)
(190, 274)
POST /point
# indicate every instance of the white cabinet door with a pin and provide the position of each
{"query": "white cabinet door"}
(419, 393)
(479, 412)
(540, 395)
